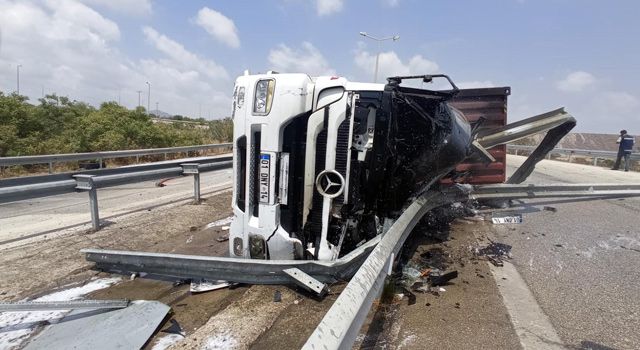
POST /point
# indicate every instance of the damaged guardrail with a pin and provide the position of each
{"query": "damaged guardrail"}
(367, 266)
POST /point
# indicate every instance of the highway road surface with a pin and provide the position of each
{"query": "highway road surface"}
(581, 261)
(53, 215)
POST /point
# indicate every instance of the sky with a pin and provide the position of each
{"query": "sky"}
(580, 54)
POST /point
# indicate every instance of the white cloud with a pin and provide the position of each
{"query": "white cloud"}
(576, 82)
(68, 48)
(306, 59)
(182, 57)
(475, 84)
(328, 7)
(218, 26)
(129, 7)
(391, 65)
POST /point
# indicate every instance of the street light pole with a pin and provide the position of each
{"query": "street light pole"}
(379, 40)
(157, 106)
(18, 78)
(139, 92)
(148, 96)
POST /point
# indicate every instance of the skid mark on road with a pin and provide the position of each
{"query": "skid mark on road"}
(531, 324)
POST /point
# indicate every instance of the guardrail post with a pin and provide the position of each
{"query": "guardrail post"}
(516, 151)
(100, 161)
(570, 156)
(192, 168)
(50, 167)
(595, 161)
(85, 182)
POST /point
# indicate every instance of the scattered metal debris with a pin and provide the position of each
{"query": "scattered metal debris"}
(202, 285)
(304, 280)
(63, 305)
(128, 328)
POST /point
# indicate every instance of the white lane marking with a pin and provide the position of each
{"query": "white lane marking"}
(529, 321)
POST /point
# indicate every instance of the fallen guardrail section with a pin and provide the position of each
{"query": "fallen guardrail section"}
(367, 266)
(21, 188)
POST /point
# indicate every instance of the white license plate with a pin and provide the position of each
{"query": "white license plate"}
(511, 219)
(265, 178)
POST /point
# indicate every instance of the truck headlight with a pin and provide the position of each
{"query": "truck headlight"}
(263, 96)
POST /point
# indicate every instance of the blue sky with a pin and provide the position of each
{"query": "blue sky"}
(579, 54)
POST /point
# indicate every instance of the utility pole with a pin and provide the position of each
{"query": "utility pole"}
(148, 96)
(157, 106)
(18, 78)
(139, 92)
(379, 40)
(119, 98)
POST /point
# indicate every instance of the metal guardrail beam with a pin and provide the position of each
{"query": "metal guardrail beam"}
(574, 151)
(66, 157)
(63, 305)
(15, 189)
(253, 271)
(509, 191)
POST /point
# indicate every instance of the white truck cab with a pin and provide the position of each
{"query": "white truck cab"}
(320, 163)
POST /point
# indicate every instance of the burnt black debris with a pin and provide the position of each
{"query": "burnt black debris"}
(495, 253)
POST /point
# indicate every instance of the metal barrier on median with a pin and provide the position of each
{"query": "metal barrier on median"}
(595, 154)
(100, 156)
(16, 189)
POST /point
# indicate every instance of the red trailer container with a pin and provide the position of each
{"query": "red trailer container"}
(490, 103)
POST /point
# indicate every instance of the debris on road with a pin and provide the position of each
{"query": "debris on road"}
(550, 208)
(223, 238)
(128, 328)
(277, 297)
(202, 285)
(495, 253)
(439, 280)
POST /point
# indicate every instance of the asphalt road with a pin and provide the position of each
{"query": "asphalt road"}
(581, 262)
(49, 215)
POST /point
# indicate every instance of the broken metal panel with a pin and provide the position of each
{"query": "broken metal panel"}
(63, 305)
(306, 281)
(489, 104)
(128, 328)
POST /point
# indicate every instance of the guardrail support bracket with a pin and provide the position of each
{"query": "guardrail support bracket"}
(192, 168)
(85, 183)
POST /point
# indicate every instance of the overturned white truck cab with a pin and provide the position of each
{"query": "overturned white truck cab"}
(320, 164)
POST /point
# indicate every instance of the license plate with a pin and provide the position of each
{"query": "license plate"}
(265, 178)
(510, 219)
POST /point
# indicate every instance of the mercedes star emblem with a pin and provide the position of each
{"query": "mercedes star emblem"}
(330, 183)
